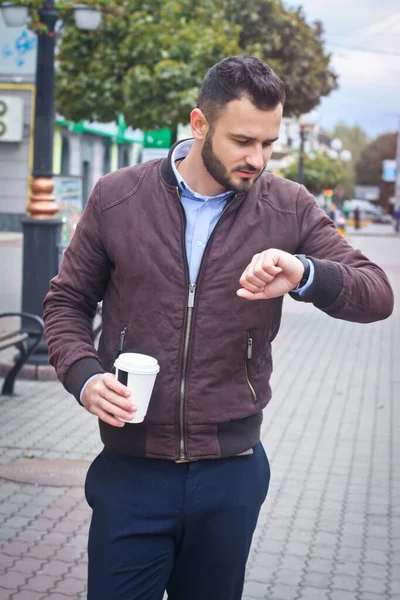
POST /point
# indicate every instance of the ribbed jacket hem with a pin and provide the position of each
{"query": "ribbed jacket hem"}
(79, 373)
(326, 286)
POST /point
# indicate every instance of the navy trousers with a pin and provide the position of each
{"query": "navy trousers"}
(185, 528)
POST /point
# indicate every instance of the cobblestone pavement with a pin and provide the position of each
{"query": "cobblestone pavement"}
(330, 528)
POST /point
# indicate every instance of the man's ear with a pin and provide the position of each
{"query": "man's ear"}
(199, 124)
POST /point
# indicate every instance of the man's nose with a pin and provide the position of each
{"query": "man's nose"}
(256, 159)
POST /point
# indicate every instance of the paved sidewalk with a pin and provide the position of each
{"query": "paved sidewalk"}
(330, 528)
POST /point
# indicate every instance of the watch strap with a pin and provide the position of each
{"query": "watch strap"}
(306, 264)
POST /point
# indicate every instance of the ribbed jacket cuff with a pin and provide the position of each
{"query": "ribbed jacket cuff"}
(79, 373)
(326, 286)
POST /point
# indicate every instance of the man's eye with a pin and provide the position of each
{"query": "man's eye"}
(267, 144)
(242, 142)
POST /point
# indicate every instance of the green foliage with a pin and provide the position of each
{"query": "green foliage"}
(147, 65)
(291, 46)
(149, 57)
(320, 173)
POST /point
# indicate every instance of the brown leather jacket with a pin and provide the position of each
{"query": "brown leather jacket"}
(214, 348)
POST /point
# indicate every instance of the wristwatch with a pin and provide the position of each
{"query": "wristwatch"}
(305, 262)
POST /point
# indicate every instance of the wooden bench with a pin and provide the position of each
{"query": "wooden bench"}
(11, 335)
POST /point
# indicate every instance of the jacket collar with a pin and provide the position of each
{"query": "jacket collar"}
(166, 168)
(169, 175)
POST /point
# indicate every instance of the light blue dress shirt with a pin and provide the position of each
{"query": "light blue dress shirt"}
(202, 214)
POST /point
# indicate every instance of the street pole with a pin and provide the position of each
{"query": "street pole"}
(300, 174)
(42, 227)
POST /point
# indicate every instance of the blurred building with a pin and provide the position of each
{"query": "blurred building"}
(286, 149)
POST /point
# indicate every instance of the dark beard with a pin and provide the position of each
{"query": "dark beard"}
(217, 169)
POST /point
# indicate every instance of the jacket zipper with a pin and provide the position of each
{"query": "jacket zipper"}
(190, 305)
(249, 356)
(188, 327)
(122, 339)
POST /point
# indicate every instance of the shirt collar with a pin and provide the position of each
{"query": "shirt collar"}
(180, 152)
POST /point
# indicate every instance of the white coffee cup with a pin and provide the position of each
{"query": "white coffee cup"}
(138, 372)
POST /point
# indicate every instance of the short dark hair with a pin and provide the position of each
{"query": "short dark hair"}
(235, 77)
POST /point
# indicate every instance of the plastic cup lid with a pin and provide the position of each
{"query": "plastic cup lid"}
(137, 363)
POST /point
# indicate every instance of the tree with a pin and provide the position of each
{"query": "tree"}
(149, 57)
(369, 165)
(147, 63)
(291, 46)
(354, 139)
(320, 173)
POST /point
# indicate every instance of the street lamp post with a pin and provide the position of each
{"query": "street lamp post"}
(306, 125)
(42, 226)
(300, 175)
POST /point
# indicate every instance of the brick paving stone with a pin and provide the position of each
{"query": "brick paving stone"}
(375, 556)
(312, 593)
(55, 568)
(65, 526)
(375, 571)
(27, 565)
(57, 596)
(68, 554)
(373, 586)
(347, 568)
(80, 571)
(44, 551)
(316, 579)
(345, 582)
(29, 536)
(42, 524)
(262, 574)
(288, 577)
(15, 548)
(343, 595)
(12, 580)
(69, 586)
(6, 562)
(54, 538)
(256, 589)
(26, 595)
(40, 583)
(6, 534)
(281, 590)
(292, 563)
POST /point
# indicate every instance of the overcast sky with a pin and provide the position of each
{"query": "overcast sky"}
(369, 81)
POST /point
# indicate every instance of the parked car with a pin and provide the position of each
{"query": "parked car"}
(368, 210)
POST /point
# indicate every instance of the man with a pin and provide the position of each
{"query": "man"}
(178, 250)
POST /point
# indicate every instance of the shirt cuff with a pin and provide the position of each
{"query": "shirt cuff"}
(303, 290)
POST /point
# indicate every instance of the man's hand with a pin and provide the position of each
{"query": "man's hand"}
(270, 274)
(107, 398)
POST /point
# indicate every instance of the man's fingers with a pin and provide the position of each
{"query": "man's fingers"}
(113, 408)
(116, 386)
(107, 418)
(247, 295)
(116, 400)
(265, 268)
(258, 273)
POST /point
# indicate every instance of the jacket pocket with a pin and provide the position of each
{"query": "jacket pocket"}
(247, 365)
